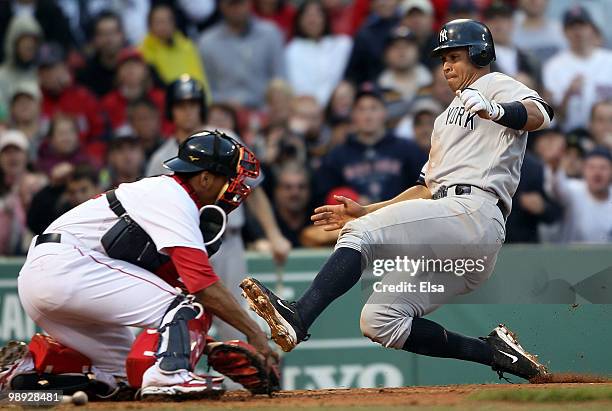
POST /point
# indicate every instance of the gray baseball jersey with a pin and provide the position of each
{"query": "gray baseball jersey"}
(466, 149)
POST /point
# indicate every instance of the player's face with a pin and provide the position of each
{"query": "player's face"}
(186, 115)
(597, 173)
(458, 70)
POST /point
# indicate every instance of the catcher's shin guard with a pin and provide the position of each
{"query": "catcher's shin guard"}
(178, 344)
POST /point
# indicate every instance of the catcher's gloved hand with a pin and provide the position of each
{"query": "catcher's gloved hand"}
(241, 363)
(474, 101)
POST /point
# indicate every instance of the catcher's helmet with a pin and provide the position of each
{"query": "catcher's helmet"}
(467, 33)
(207, 151)
(185, 88)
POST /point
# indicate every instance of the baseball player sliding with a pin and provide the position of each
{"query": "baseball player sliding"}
(461, 201)
(120, 260)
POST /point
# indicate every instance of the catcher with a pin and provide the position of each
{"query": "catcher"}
(123, 259)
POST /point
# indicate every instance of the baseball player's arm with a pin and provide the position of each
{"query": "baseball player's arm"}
(413, 193)
(528, 114)
(334, 217)
(259, 205)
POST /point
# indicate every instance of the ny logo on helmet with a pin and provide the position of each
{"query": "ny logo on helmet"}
(443, 35)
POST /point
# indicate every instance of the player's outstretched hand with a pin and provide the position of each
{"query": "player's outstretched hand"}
(334, 217)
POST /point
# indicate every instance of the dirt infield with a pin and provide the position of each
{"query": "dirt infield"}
(455, 397)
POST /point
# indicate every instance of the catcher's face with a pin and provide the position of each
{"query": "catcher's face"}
(208, 186)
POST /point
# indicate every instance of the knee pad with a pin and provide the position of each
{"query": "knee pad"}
(178, 343)
(52, 357)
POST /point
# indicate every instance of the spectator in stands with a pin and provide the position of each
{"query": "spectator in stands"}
(340, 16)
(144, 121)
(291, 201)
(575, 78)
(82, 14)
(315, 58)
(223, 116)
(133, 81)
(279, 12)
(13, 159)
(242, 54)
(600, 125)
(366, 61)
(418, 17)
(68, 187)
(31, 183)
(278, 103)
(25, 114)
(61, 144)
(303, 139)
(60, 94)
(373, 161)
(462, 9)
(168, 50)
(531, 204)
(81, 186)
(404, 75)
(338, 112)
(587, 202)
(126, 159)
(13, 167)
(509, 59)
(188, 112)
(537, 35)
(21, 48)
(46, 12)
(418, 124)
(100, 69)
(306, 121)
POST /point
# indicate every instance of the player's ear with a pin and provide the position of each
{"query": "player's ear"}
(205, 179)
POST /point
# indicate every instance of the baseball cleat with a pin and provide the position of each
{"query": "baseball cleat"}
(509, 356)
(281, 315)
(198, 387)
(12, 355)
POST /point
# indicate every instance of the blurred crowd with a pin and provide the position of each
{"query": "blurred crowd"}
(336, 98)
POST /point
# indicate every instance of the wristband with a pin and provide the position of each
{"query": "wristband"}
(515, 115)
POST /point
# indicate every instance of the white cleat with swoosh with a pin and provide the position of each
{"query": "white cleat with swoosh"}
(510, 357)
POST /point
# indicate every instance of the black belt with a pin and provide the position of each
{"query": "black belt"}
(461, 189)
(48, 238)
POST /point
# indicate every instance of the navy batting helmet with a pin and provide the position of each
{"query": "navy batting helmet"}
(467, 33)
(185, 88)
(207, 151)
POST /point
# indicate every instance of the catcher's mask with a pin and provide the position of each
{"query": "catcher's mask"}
(217, 152)
(236, 190)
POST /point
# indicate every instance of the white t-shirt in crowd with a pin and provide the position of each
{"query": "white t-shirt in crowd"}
(315, 68)
(559, 72)
(159, 205)
(586, 219)
(540, 43)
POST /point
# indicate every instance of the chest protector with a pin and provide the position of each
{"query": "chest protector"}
(127, 241)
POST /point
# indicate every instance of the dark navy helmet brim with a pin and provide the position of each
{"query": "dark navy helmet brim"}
(181, 166)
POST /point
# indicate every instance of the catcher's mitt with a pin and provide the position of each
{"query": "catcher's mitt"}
(241, 363)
